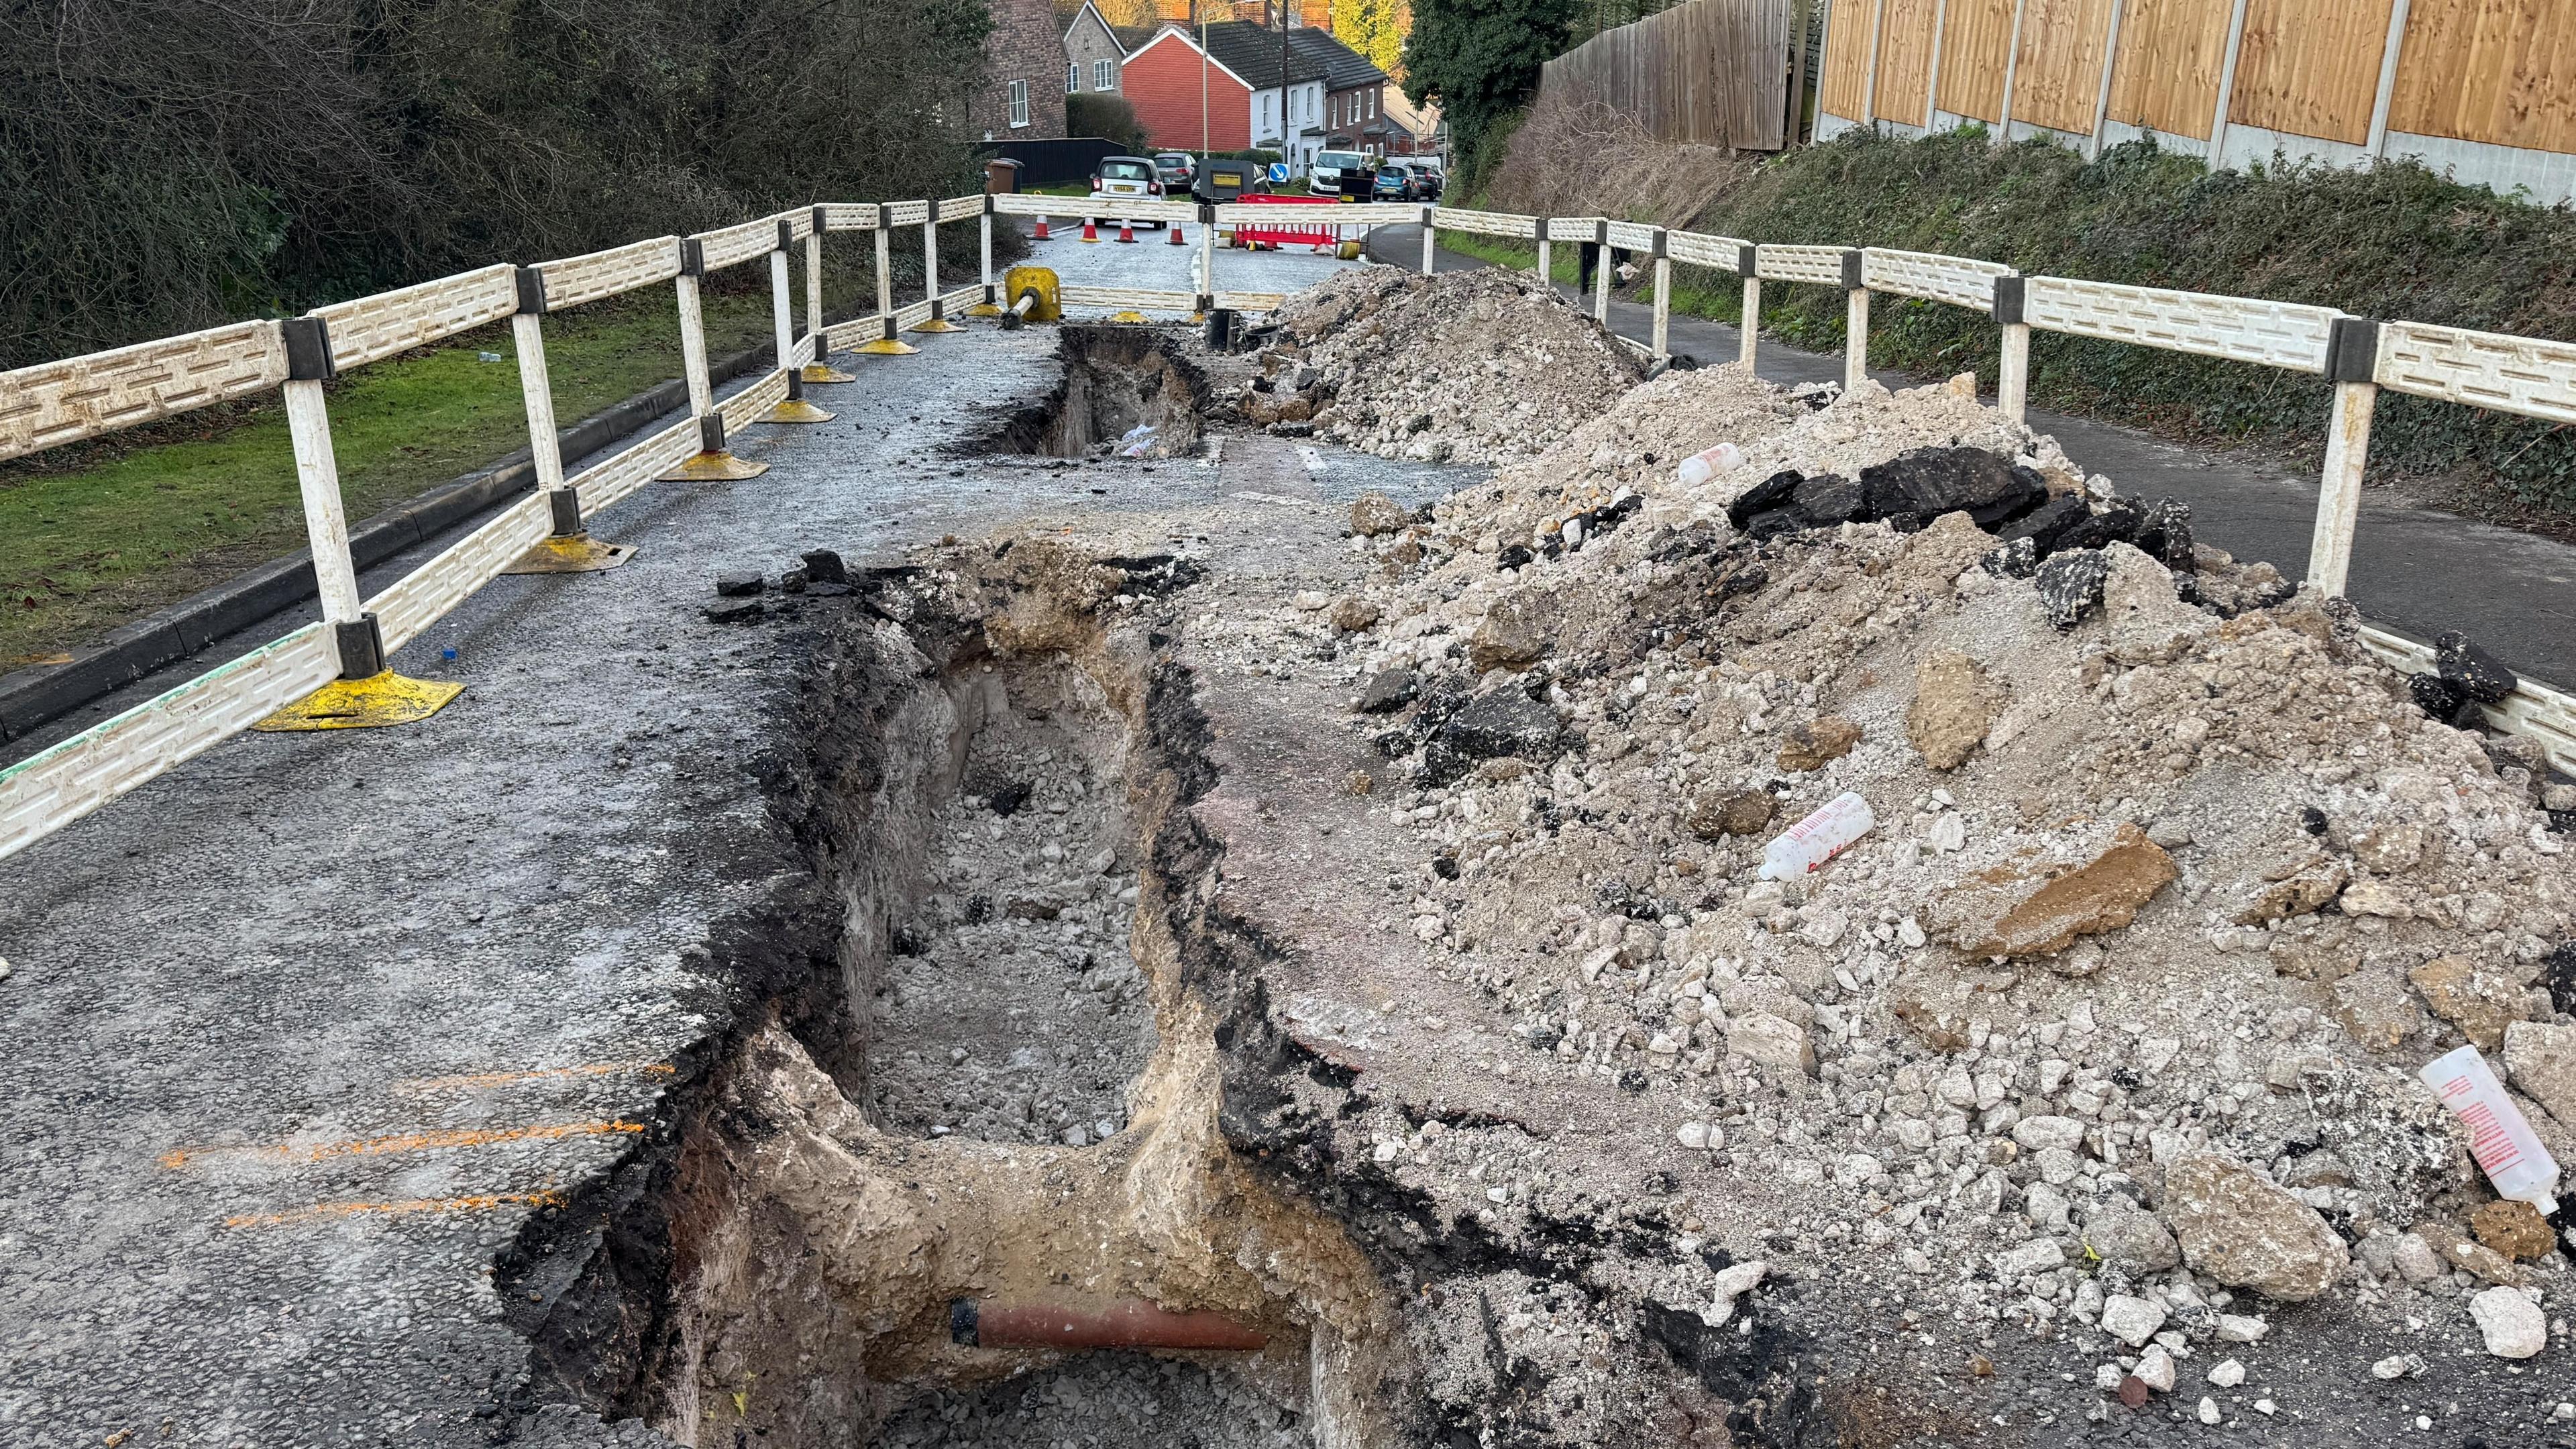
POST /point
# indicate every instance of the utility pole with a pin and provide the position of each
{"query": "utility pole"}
(1199, 16)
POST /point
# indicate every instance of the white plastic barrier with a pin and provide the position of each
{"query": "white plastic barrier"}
(1483, 223)
(56, 786)
(427, 594)
(1822, 266)
(377, 327)
(733, 245)
(2482, 369)
(2239, 329)
(1955, 280)
(2532, 709)
(576, 280)
(1699, 249)
(53, 403)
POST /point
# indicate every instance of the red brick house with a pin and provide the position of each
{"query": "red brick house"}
(1023, 94)
(1162, 79)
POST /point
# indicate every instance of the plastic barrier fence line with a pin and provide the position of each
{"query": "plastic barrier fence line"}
(1029, 203)
(606, 483)
(54, 787)
(961, 208)
(907, 213)
(53, 403)
(1251, 301)
(427, 594)
(576, 280)
(1141, 208)
(1381, 213)
(2532, 709)
(1699, 249)
(1631, 236)
(2276, 334)
(1483, 223)
(389, 322)
(1820, 265)
(2482, 369)
(800, 225)
(1955, 280)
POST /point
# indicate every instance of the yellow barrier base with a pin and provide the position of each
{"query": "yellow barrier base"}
(937, 324)
(1127, 317)
(363, 704)
(796, 410)
(577, 553)
(714, 468)
(982, 309)
(825, 372)
(1348, 251)
(886, 347)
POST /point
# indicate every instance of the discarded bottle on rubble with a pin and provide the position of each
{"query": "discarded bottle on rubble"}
(1818, 838)
(1701, 466)
(2500, 1137)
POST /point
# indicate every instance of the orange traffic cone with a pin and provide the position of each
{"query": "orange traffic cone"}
(1042, 231)
(1126, 231)
(1090, 230)
(1175, 229)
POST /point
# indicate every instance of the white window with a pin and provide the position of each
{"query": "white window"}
(1019, 103)
(1072, 76)
(1104, 75)
(1372, 103)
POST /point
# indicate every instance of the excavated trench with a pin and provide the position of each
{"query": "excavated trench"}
(973, 1069)
(1117, 378)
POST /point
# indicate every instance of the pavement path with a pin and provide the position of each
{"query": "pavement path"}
(2415, 570)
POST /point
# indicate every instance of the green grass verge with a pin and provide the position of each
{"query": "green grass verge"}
(94, 536)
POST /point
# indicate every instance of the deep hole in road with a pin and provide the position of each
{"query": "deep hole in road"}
(1117, 378)
(977, 1071)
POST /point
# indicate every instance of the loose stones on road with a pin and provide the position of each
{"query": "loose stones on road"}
(2240, 1228)
(2513, 1325)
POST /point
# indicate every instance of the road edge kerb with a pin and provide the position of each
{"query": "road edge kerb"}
(33, 697)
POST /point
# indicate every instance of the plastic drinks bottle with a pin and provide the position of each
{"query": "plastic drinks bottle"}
(1818, 838)
(1701, 466)
(2500, 1137)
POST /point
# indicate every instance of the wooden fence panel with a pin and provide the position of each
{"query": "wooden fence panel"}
(1904, 60)
(1976, 35)
(1846, 59)
(2498, 71)
(2310, 67)
(2059, 77)
(1712, 72)
(2171, 54)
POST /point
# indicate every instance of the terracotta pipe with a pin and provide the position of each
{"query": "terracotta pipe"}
(1124, 1323)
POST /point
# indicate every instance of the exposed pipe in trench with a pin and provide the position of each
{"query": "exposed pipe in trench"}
(1125, 1323)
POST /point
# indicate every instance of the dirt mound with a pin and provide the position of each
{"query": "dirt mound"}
(1482, 366)
(2165, 865)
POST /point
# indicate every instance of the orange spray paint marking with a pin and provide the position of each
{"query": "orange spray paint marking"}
(319, 1212)
(407, 1142)
(472, 1080)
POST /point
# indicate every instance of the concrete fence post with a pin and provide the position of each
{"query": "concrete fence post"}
(885, 343)
(1430, 239)
(712, 461)
(1855, 322)
(930, 269)
(1601, 272)
(2012, 373)
(1546, 271)
(2352, 360)
(1663, 296)
(1748, 266)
